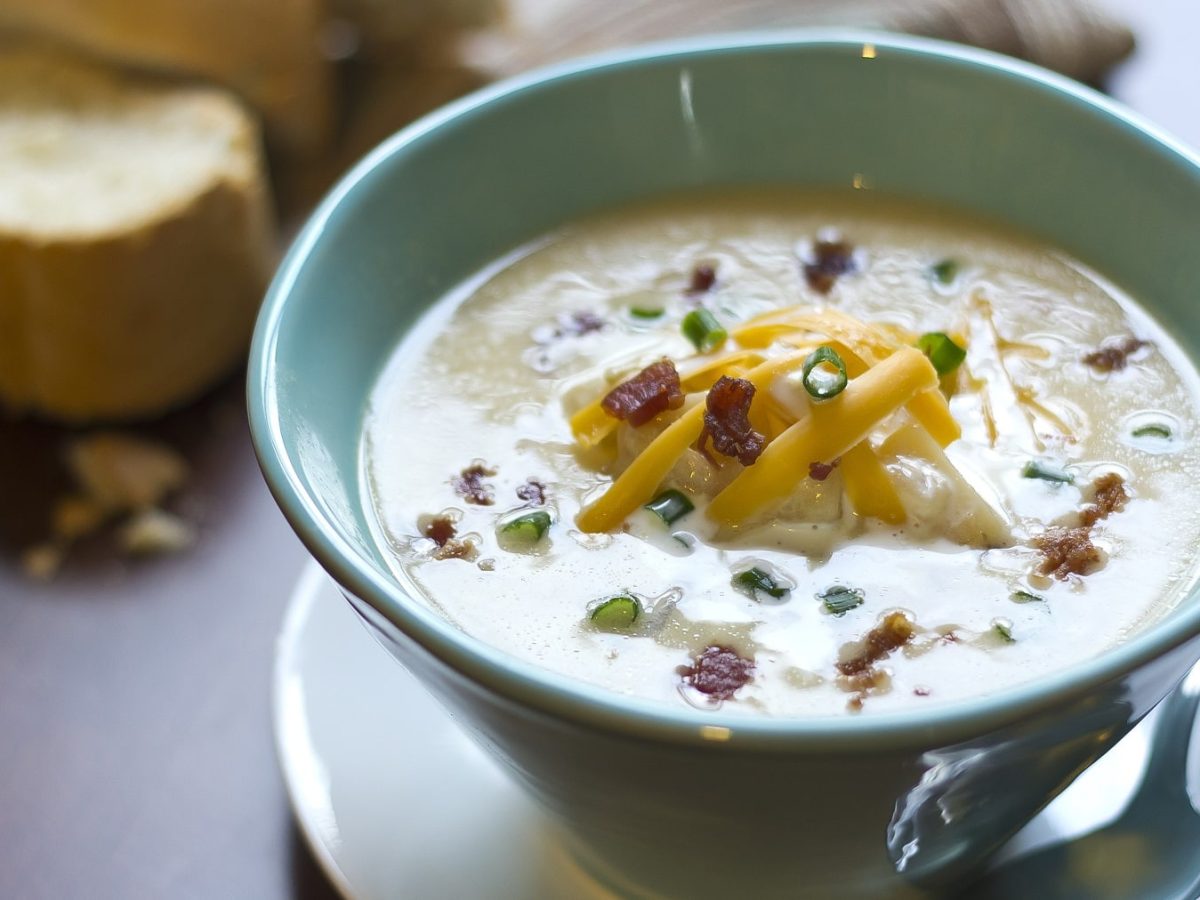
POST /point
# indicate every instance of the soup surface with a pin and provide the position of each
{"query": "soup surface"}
(729, 451)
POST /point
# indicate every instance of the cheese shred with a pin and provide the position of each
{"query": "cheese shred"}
(886, 375)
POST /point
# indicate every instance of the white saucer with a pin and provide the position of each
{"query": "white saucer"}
(395, 801)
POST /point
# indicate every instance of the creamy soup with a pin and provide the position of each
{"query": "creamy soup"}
(789, 454)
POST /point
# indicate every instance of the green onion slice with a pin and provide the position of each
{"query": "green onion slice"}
(751, 581)
(945, 355)
(671, 505)
(617, 613)
(1154, 430)
(703, 330)
(945, 271)
(646, 312)
(1047, 472)
(1025, 597)
(818, 380)
(840, 599)
(528, 528)
(1003, 630)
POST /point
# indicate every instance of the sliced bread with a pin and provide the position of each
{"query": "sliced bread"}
(267, 51)
(135, 238)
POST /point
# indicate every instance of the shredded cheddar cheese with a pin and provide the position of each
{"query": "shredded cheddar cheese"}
(637, 484)
(886, 374)
(869, 486)
(826, 433)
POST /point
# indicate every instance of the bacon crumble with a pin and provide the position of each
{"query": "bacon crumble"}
(1070, 551)
(470, 485)
(1108, 496)
(573, 324)
(442, 530)
(532, 491)
(893, 632)
(1113, 356)
(704, 276)
(862, 685)
(829, 260)
(727, 421)
(579, 323)
(819, 471)
(1067, 551)
(719, 672)
(457, 549)
(439, 529)
(651, 391)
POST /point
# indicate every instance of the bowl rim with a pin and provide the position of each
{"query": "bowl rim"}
(583, 704)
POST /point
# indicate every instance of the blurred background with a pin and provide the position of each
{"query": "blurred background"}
(155, 159)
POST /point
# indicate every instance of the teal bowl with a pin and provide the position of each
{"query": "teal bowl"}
(667, 802)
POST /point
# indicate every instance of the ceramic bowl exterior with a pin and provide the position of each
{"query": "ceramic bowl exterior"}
(670, 802)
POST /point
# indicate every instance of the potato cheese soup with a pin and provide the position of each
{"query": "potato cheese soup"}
(789, 454)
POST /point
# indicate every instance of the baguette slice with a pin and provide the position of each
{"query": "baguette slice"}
(266, 51)
(135, 238)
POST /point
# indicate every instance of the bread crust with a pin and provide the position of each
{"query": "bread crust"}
(129, 323)
(268, 53)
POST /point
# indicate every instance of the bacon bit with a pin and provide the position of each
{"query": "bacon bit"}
(1113, 356)
(569, 325)
(719, 672)
(863, 685)
(457, 549)
(921, 691)
(828, 260)
(532, 491)
(1108, 496)
(727, 420)
(580, 323)
(439, 529)
(704, 277)
(651, 391)
(470, 484)
(1066, 551)
(894, 631)
(819, 471)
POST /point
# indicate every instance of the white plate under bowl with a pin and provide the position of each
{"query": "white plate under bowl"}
(397, 802)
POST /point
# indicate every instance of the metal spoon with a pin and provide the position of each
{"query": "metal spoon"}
(1151, 851)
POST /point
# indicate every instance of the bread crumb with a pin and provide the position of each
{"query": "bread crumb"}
(152, 532)
(76, 516)
(118, 477)
(123, 473)
(42, 561)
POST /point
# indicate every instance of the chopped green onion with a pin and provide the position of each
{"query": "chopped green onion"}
(1158, 431)
(840, 599)
(617, 613)
(1037, 469)
(703, 330)
(526, 529)
(1003, 629)
(945, 271)
(945, 355)
(751, 581)
(646, 312)
(821, 383)
(670, 506)
(1025, 597)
